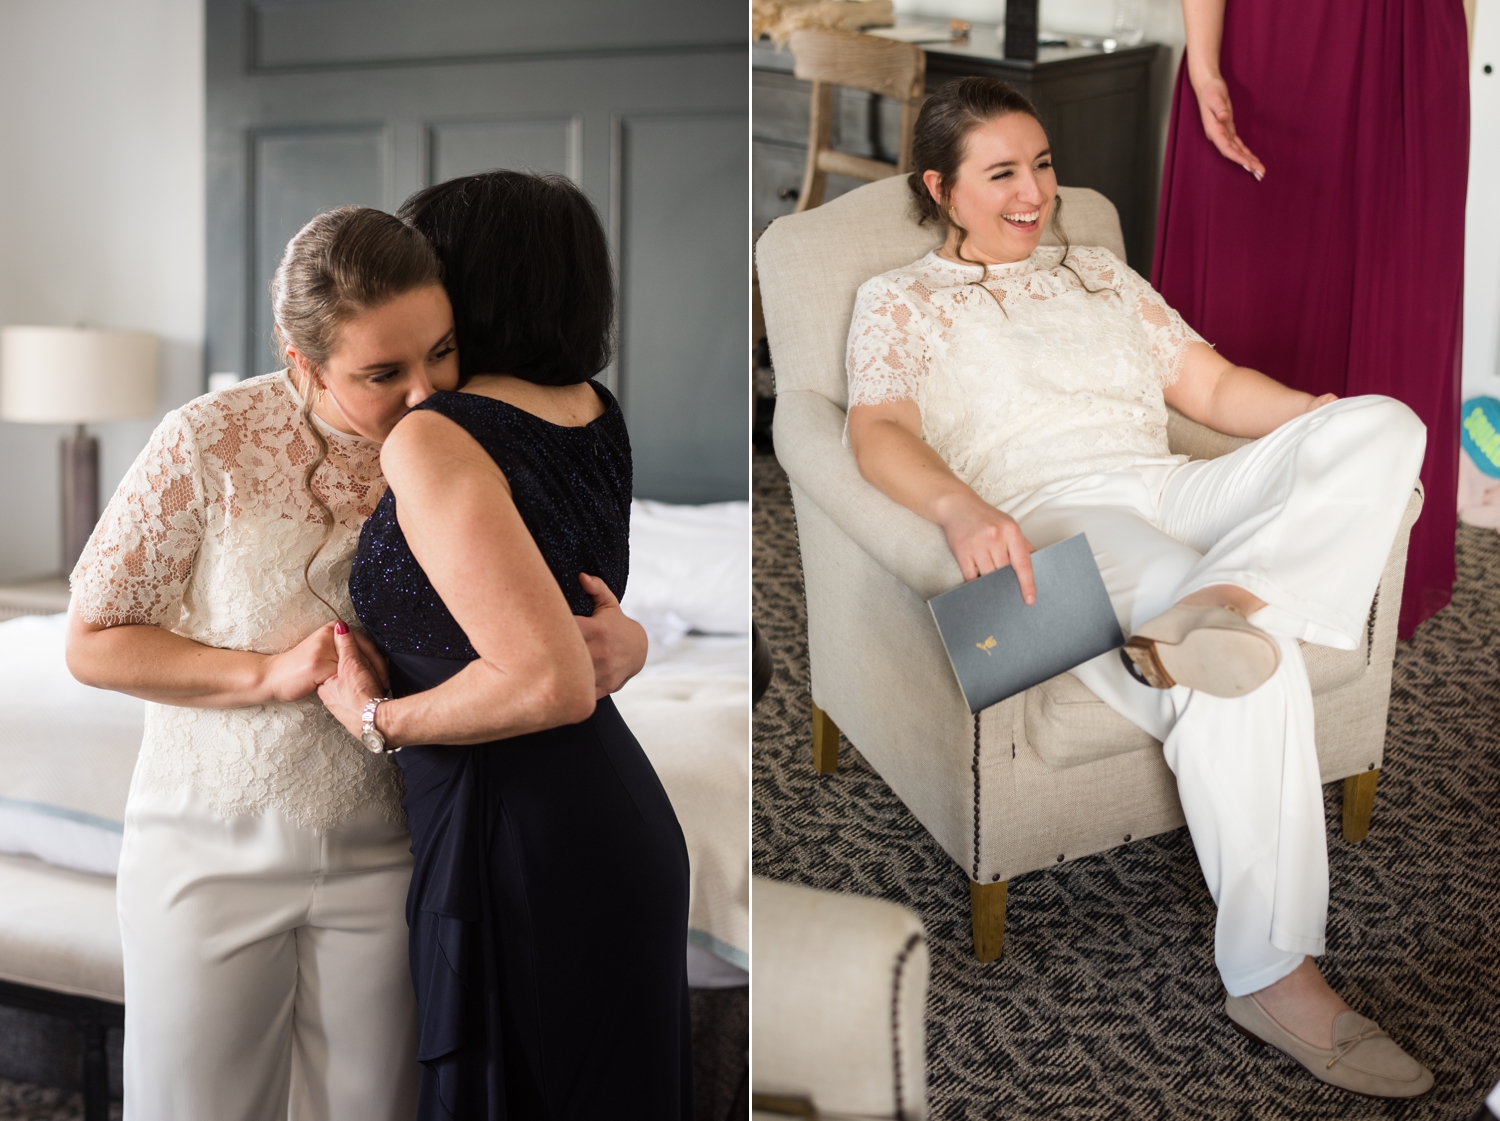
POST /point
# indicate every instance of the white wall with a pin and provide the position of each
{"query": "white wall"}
(1482, 230)
(101, 217)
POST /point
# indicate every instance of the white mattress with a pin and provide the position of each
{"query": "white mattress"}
(690, 710)
(67, 753)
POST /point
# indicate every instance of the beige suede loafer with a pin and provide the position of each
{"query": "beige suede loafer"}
(1214, 649)
(1364, 1060)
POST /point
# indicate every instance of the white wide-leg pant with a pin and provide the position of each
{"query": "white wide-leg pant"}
(1304, 519)
(266, 973)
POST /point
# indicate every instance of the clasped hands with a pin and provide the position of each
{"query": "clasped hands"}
(345, 668)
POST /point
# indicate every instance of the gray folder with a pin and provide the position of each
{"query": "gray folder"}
(999, 646)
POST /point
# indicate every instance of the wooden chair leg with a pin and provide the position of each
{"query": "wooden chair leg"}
(825, 742)
(987, 909)
(1359, 803)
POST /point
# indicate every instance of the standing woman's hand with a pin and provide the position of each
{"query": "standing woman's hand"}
(1218, 125)
(296, 673)
(1203, 21)
(361, 675)
(617, 643)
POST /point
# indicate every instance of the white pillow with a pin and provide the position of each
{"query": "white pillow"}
(689, 569)
(66, 753)
(59, 836)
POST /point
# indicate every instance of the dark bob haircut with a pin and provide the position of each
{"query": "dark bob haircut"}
(527, 269)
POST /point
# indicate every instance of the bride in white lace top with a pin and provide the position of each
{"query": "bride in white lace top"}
(1006, 391)
(207, 538)
(1024, 373)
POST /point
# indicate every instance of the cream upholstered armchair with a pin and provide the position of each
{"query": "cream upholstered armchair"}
(1052, 774)
(838, 1006)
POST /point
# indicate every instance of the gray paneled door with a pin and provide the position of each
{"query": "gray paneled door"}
(644, 103)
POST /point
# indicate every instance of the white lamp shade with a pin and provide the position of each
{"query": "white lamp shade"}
(76, 375)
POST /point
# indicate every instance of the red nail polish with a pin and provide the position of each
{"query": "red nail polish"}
(340, 627)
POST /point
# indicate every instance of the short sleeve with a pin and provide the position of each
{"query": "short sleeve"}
(888, 352)
(137, 563)
(1167, 332)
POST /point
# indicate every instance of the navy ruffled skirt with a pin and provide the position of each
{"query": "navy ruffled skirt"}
(548, 915)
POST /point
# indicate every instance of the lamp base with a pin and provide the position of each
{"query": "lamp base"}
(80, 494)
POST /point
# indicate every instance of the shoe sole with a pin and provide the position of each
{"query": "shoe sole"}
(1221, 662)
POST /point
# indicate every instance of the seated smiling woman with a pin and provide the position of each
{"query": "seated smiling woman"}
(1017, 395)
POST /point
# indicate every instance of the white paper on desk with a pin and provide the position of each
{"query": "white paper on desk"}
(913, 34)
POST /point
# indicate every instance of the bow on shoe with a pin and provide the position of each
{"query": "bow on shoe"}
(1343, 1046)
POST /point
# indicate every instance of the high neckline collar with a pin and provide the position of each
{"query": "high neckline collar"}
(968, 274)
(290, 385)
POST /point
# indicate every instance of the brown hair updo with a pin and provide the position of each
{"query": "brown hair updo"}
(343, 263)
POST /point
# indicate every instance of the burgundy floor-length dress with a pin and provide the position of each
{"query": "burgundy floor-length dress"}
(1341, 272)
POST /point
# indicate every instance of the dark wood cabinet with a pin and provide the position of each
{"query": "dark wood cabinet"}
(1094, 105)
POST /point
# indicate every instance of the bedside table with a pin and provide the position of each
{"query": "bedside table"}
(34, 597)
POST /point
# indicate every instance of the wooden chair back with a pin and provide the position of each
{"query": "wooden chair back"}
(863, 62)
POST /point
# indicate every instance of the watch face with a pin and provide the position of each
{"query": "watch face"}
(374, 741)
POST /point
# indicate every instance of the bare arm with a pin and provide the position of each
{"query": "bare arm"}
(1235, 400)
(1204, 23)
(893, 457)
(534, 670)
(157, 665)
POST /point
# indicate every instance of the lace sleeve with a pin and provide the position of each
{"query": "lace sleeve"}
(887, 357)
(1168, 332)
(138, 560)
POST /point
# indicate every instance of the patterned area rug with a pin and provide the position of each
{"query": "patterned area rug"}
(23, 1101)
(1106, 1002)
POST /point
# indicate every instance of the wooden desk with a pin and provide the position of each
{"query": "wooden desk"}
(1093, 104)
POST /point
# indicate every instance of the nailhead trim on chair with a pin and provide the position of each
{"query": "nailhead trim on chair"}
(906, 950)
(975, 876)
(1370, 627)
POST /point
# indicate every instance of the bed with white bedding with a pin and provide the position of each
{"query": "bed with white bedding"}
(67, 751)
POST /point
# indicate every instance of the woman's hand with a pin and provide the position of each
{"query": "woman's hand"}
(297, 673)
(888, 446)
(983, 539)
(617, 643)
(1218, 125)
(360, 674)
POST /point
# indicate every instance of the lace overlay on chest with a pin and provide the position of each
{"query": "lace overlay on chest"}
(207, 536)
(1042, 372)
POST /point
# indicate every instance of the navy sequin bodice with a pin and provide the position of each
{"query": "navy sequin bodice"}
(571, 486)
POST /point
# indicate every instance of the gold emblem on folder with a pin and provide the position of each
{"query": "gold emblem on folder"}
(987, 645)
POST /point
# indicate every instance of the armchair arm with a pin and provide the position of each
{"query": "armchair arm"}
(838, 1001)
(809, 431)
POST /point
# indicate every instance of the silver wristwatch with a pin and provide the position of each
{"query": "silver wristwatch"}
(367, 733)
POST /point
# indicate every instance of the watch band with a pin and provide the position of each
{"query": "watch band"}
(371, 738)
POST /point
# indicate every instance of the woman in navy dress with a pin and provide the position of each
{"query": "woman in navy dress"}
(549, 898)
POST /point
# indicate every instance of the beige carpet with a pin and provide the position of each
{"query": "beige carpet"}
(1106, 1003)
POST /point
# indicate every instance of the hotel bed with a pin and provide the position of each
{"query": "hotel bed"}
(67, 753)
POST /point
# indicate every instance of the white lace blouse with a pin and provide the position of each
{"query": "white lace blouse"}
(1030, 378)
(207, 536)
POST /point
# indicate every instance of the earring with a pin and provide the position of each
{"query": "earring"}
(950, 215)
